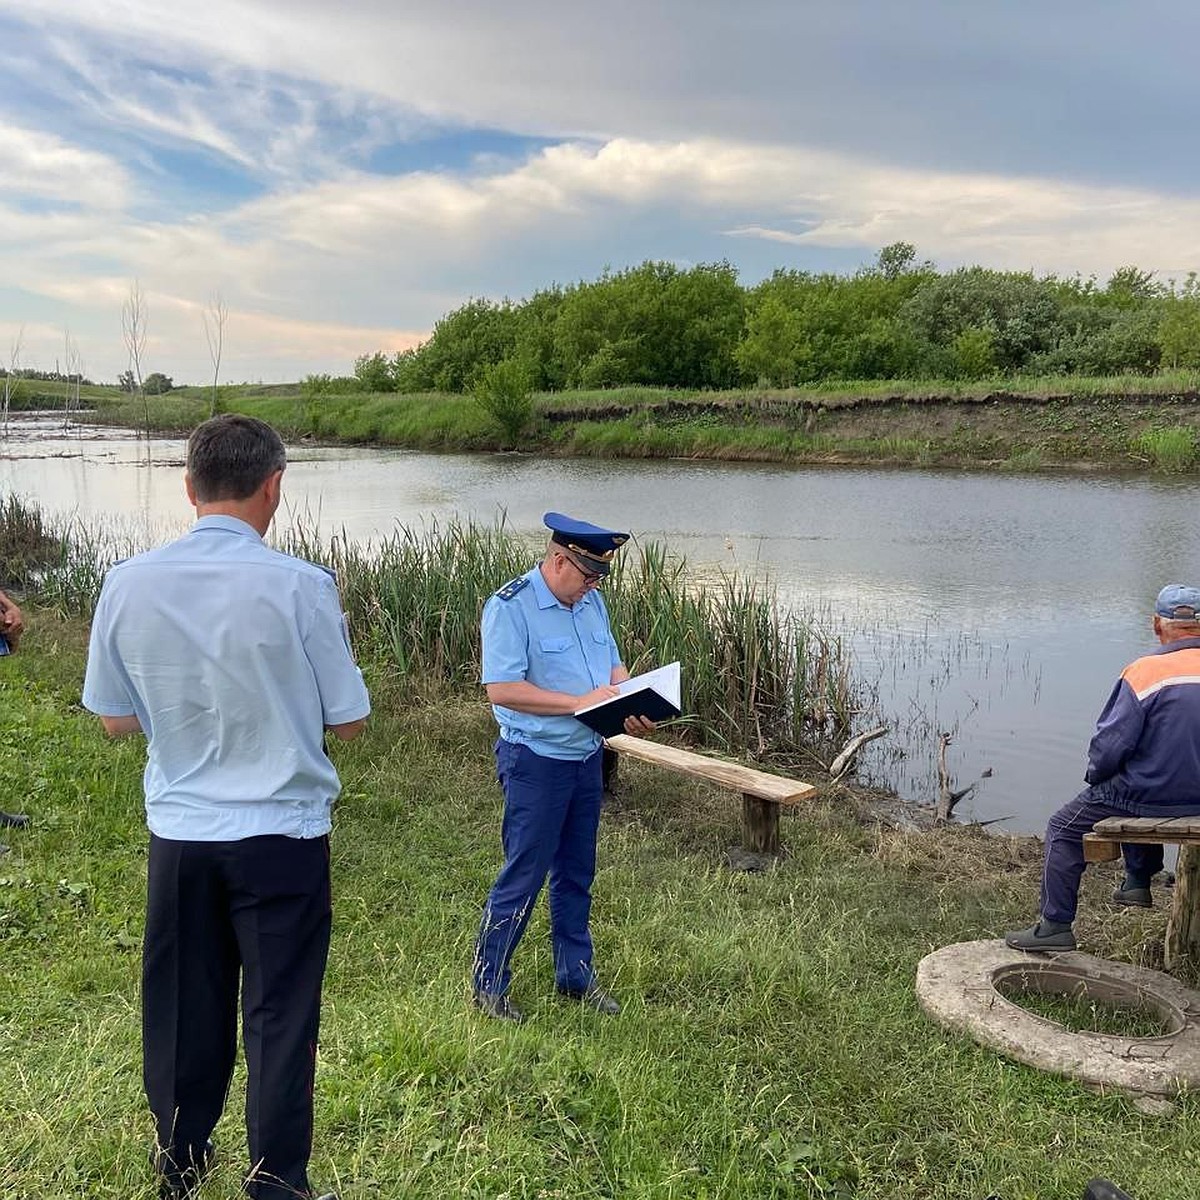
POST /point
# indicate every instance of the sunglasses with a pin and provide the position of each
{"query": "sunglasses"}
(591, 578)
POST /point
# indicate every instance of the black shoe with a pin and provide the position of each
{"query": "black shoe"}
(1102, 1189)
(185, 1183)
(593, 996)
(1039, 939)
(1133, 897)
(13, 820)
(499, 1007)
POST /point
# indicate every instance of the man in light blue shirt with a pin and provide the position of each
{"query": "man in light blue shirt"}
(232, 658)
(547, 652)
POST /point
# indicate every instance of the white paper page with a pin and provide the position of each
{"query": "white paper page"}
(664, 680)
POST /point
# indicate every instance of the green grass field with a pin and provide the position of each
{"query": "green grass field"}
(770, 1045)
(1134, 423)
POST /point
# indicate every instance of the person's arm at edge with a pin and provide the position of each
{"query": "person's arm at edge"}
(12, 624)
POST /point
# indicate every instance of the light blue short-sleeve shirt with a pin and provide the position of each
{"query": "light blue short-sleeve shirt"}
(532, 636)
(234, 657)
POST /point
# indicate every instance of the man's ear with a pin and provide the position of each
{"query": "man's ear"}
(272, 486)
(191, 491)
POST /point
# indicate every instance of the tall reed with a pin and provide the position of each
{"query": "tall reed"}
(758, 680)
(417, 594)
(28, 541)
(61, 561)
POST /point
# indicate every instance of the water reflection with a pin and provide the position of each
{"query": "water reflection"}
(999, 608)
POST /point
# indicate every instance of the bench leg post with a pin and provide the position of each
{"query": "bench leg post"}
(760, 824)
(1183, 926)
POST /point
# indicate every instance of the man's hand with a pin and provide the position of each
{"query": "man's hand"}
(117, 727)
(597, 696)
(639, 726)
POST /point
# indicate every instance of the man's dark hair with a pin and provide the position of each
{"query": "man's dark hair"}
(229, 456)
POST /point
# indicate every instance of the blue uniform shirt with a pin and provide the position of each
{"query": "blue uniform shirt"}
(531, 636)
(234, 658)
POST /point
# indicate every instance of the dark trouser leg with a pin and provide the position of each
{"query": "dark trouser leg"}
(281, 909)
(1064, 861)
(1142, 863)
(537, 791)
(189, 998)
(571, 873)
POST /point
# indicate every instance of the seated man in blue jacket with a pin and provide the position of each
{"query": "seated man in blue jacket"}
(1143, 761)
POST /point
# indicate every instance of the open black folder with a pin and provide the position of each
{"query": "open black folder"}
(654, 694)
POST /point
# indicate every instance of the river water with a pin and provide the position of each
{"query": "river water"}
(999, 608)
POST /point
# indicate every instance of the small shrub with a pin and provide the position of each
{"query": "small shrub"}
(503, 391)
(1172, 450)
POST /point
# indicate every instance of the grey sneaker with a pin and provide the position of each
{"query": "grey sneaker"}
(1034, 939)
(593, 996)
(499, 1007)
(1133, 897)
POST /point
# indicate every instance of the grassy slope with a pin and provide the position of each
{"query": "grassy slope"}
(1015, 424)
(770, 1046)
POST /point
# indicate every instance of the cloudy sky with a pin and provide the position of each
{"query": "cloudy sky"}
(342, 174)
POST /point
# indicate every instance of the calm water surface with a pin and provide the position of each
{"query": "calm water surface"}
(1000, 608)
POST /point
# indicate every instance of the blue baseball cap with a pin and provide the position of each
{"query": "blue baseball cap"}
(592, 545)
(1178, 602)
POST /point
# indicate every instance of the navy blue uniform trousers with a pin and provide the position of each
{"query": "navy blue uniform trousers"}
(1064, 863)
(551, 816)
(259, 911)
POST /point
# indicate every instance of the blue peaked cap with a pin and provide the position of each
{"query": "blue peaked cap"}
(1178, 602)
(593, 545)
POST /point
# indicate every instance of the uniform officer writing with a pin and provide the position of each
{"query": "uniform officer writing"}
(547, 651)
(232, 659)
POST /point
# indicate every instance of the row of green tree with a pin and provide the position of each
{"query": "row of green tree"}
(899, 318)
(54, 376)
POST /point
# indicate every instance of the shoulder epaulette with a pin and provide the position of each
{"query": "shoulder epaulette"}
(512, 587)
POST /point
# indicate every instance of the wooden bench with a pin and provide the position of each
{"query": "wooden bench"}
(1103, 844)
(762, 793)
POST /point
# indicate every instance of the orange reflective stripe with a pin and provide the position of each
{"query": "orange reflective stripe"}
(1157, 671)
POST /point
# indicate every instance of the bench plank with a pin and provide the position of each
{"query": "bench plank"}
(734, 776)
(1103, 844)
(1149, 829)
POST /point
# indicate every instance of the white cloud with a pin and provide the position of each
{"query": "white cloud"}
(37, 164)
(307, 272)
(685, 130)
(811, 198)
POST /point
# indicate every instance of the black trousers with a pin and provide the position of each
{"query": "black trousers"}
(258, 911)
